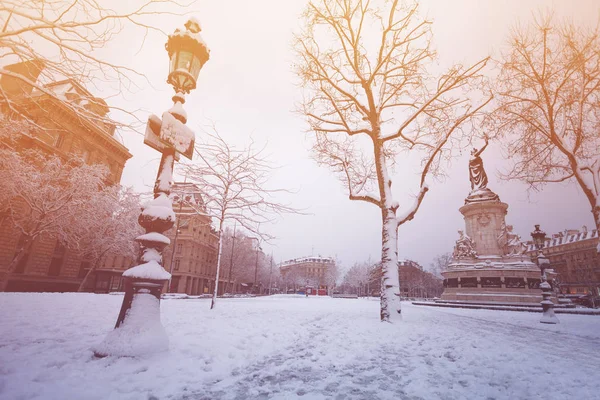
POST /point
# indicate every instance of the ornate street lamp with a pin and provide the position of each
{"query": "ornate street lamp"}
(138, 329)
(258, 248)
(539, 239)
(187, 54)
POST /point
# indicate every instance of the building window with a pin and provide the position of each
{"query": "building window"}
(174, 284)
(57, 260)
(179, 247)
(177, 262)
(83, 268)
(102, 282)
(115, 284)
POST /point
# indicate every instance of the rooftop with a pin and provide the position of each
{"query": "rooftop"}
(568, 236)
(316, 259)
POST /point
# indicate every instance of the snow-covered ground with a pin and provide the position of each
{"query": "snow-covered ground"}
(287, 347)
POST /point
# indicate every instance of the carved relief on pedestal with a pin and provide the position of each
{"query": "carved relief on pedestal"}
(483, 219)
(502, 238)
(514, 245)
(465, 247)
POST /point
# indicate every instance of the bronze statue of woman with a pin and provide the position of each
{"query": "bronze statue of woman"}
(477, 173)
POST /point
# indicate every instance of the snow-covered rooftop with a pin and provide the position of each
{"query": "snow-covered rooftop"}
(301, 260)
(567, 237)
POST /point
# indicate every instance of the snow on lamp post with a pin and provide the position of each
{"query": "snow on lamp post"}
(539, 239)
(138, 329)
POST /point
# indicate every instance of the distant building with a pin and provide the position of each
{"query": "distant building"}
(195, 246)
(49, 266)
(312, 272)
(414, 281)
(573, 256)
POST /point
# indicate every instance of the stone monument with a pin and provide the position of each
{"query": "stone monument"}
(488, 264)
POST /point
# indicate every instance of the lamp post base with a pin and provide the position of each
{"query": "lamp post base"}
(548, 316)
(138, 330)
(549, 320)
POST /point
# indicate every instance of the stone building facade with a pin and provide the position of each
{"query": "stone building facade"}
(194, 245)
(575, 260)
(49, 266)
(415, 282)
(313, 272)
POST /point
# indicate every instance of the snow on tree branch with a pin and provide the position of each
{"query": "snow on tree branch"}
(548, 106)
(410, 213)
(234, 186)
(369, 96)
(44, 195)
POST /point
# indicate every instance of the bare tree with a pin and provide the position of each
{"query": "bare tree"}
(63, 39)
(440, 264)
(358, 277)
(241, 257)
(294, 278)
(548, 94)
(112, 230)
(332, 275)
(363, 65)
(233, 182)
(44, 195)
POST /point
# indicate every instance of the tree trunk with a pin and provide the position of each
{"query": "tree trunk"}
(390, 286)
(15, 261)
(596, 213)
(591, 190)
(214, 298)
(86, 277)
(390, 283)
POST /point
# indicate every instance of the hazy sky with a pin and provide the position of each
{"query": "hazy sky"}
(248, 89)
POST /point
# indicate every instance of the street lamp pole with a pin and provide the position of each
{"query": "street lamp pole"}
(258, 248)
(174, 249)
(256, 263)
(138, 329)
(231, 258)
(271, 274)
(548, 316)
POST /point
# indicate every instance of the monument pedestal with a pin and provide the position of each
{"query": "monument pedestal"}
(501, 280)
(488, 265)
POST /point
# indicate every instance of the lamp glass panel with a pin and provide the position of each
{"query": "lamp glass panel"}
(182, 80)
(173, 62)
(184, 60)
(195, 70)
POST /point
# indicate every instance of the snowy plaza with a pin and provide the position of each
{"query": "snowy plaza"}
(286, 347)
(310, 199)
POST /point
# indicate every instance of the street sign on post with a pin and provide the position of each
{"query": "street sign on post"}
(176, 134)
(152, 138)
(169, 132)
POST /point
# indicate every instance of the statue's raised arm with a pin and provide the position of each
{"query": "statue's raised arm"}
(477, 173)
(478, 152)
